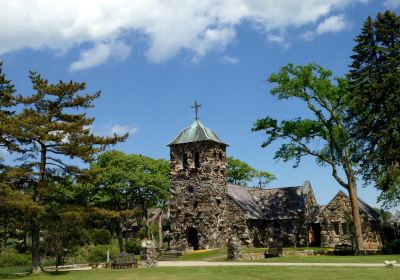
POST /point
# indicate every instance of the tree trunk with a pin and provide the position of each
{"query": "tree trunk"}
(352, 188)
(160, 235)
(147, 224)
(25, 239)
(35, 244)
(35, 216)
(120, 239)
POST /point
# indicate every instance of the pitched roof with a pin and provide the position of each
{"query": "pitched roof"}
(194, 133)
(270, 204)
(280, 203)
(242, 197)
(368, 210)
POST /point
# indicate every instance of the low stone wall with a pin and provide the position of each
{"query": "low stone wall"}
(253, 256)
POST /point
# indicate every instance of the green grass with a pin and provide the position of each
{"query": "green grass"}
(231, 273)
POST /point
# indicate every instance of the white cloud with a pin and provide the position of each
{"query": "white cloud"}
(229, 60)
(122, 129)
(169, 27)
(308, 35)
(99, 54)
(392, 3)
(332, 24)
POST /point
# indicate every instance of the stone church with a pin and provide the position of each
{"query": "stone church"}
(206, 210)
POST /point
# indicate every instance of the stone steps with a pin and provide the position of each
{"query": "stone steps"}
(168, 256)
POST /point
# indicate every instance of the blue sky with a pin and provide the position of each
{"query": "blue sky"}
(152, 59)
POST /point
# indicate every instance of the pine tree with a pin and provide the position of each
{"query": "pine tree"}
(7, 100)
(52, 129)
(374, 83)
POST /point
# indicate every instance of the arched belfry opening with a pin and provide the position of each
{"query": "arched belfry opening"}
(197, 160)
(193, 238)
(184, 161)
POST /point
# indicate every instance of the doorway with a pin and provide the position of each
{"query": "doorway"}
(314, 235)
(192, 238)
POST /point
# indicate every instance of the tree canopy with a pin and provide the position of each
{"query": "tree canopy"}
(129, 184)
(324, 136)
(374, 83)
(239, 172)
(51, 129)
(7, 101)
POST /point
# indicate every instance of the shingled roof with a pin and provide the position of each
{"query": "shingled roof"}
(270, 204)
(241, 195)
(280, 203)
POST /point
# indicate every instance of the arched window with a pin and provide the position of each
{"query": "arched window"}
(184, 161)
(220, 155)
(196, 160)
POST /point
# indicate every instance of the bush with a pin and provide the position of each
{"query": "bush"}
(97, 254)
(133, 246)
(101, 237)
(12, 258)
(392, 247)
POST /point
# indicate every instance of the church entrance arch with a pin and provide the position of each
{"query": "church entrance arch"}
(192, 238)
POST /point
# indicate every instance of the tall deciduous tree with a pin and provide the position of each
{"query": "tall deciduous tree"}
(324, 136)
(131, 182)
(239, 172)
(374, 83)
(53, 129)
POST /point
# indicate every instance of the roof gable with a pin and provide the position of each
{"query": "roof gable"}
(363, 206)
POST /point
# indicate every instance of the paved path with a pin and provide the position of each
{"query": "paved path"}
(205, 263)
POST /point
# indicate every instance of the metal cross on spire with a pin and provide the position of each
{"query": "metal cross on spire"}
(196, 106)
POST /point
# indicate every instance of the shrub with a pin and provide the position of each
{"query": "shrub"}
(392, 247)
(101, 236)
(97, 254)
(12, 258)
(133, 246)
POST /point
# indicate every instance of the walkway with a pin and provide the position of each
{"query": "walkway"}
(205, 263)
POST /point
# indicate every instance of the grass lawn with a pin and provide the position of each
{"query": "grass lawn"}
(231, 273)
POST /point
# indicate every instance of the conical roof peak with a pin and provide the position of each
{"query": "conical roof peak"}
(197, 131)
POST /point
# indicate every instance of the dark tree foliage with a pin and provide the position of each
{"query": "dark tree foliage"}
(52, 129)
(374, 83)
(7, 101)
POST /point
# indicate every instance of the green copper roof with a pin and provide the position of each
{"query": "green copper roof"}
(196, 132)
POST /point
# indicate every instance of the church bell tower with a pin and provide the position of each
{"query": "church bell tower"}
(198, 188)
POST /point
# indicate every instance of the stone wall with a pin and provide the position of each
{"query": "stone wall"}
(237, 223)
(337, 225)
(276, 233)
(198, 196)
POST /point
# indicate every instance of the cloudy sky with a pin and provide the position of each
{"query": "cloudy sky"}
(153, 58)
